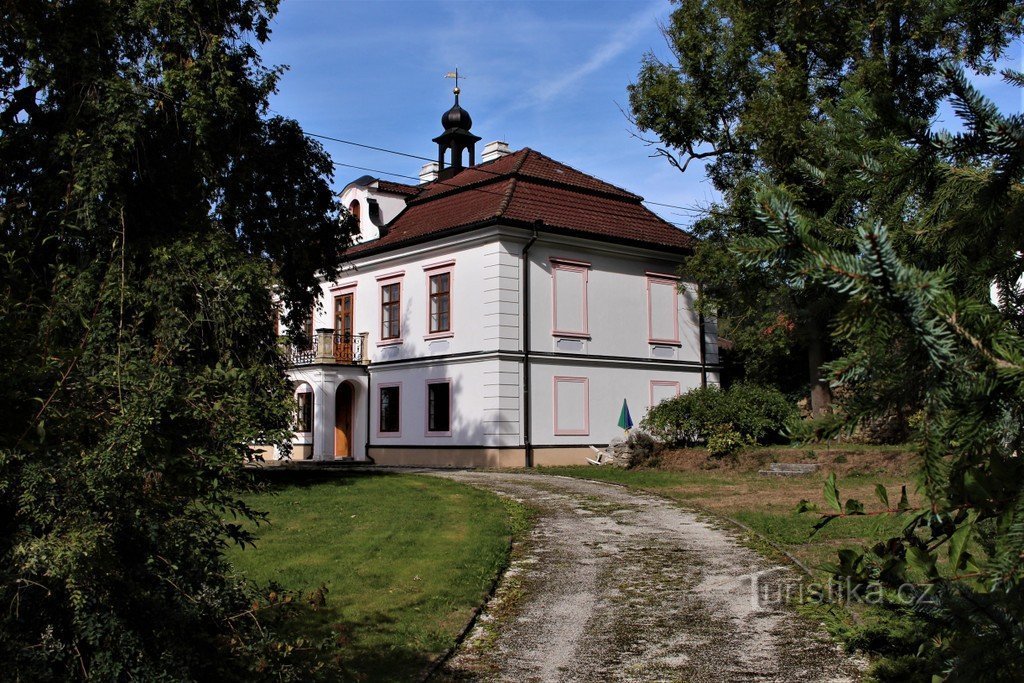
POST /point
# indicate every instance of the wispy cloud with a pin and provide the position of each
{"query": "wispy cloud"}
(619, 42)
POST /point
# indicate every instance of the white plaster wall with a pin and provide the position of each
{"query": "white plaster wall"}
(473, 305)
(608, 386)
(617, 305)
(484, 398)
(486, 318)
(390, 206)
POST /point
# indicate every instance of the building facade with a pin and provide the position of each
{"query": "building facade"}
(496, 315)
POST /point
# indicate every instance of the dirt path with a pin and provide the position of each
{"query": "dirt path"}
(614, 585)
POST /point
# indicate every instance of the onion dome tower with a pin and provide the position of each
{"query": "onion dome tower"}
(457, 138)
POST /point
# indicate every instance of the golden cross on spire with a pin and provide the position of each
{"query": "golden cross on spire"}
(456, 75)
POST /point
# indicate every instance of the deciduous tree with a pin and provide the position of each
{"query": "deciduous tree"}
(741, 98)
(149, 203)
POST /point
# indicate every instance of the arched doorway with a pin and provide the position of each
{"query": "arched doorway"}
(343, 405)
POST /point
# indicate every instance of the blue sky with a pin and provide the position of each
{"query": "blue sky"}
(549, 75)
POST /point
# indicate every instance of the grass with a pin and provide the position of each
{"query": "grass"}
(767, 504)
(405, 559)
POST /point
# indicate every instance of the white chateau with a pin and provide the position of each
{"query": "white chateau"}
(496, 315)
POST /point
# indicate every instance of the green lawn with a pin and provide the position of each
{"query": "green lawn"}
(405, 559)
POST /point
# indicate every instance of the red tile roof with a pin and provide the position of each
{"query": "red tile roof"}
(521, 189)
(397, 188)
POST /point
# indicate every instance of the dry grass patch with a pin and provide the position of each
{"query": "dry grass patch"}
(732, 487)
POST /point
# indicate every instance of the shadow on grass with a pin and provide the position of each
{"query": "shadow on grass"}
(352, 653)
(278, 478)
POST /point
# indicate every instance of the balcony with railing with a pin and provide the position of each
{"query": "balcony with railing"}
(332, 348)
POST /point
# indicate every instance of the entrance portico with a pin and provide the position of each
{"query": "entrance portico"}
(333, 371)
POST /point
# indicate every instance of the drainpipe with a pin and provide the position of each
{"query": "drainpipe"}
(369, 403)
(527, 403)
(703, 346)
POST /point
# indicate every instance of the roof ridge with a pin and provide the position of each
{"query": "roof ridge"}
(507, 199)
(527, 151)
(489, 177)
(618, 189)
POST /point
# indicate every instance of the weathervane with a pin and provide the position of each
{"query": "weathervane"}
(456, 76)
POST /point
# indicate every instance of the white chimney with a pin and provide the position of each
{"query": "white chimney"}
(495, 150)
(429, 172)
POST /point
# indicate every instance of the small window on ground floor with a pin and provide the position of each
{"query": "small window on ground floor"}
(439, 407)
(390, 415)
(304, 411)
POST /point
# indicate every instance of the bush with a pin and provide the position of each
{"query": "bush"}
(643, 449)
(759, 413)
(726, 420)
(724, 440)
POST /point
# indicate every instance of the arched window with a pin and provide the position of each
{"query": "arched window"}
(353, 209)
(304, 408)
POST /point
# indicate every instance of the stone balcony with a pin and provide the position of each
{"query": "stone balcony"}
(332, 348)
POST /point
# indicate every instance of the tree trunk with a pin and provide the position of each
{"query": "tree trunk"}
(821, 394)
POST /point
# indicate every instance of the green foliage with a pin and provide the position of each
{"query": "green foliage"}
(725, 420)
(894, 633)
(147, 211)
(742, 99)
(724, 440)
(962, 554)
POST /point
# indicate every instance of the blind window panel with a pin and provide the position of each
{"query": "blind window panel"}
(663, 311)
(570, 289)
(662, 391)
(572, 410)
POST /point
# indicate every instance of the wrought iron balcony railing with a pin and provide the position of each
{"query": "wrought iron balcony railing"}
(333, 348)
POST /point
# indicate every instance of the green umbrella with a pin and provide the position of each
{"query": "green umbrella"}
(625, 421)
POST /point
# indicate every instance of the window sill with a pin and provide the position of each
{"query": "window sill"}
(571, 335)
(440, 434)
(389, 342)
(438, 335)
(664, 342)
(389, 435)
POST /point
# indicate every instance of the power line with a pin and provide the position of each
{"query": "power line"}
(377, 148)
(482, 190)
(365, 146)
(423, 158)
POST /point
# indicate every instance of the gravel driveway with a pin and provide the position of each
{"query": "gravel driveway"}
(618, 585)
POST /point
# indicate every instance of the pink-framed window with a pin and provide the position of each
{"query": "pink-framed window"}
(439, 407)
(439, 299)
(389, 410)
(390, 307)
(569, 310)
(662, 309)
(571, 406)
(662, 390)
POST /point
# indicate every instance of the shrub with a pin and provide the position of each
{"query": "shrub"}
(643, 449)
(758, 413)
(724, 440)
(745, 413)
